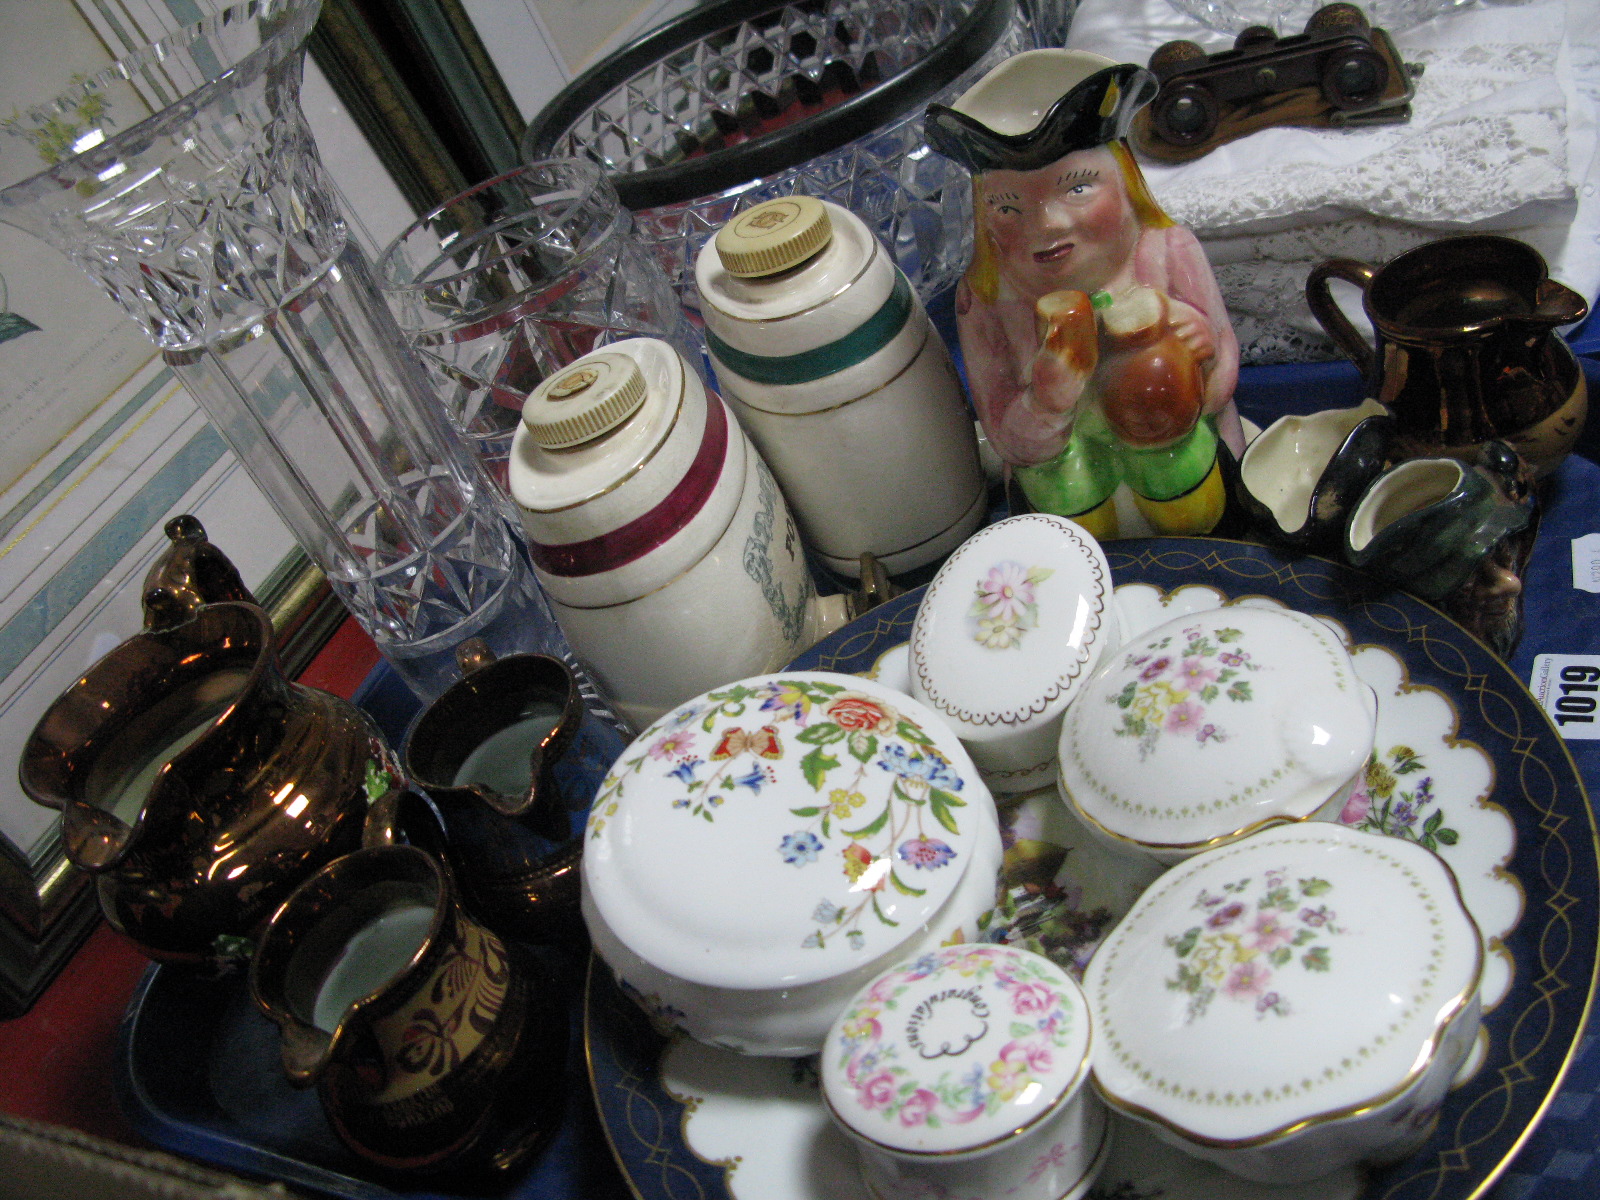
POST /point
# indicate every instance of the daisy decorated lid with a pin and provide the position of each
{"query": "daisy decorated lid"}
(1011, 626)
(1211, 725)
(781, 830)
(957, 1050)
(1296, 976)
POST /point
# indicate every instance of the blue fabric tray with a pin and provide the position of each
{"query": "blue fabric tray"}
(198, 1070)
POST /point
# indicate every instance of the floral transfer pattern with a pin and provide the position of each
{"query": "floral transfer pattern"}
(892, 1079)
(885, 794)
(1007, 605)
(1381, 804)
(1243, 946)
(448, 1017)
(1178, 681)
(1051, 920)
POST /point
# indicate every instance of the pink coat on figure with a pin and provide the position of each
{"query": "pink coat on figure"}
(1097, 346)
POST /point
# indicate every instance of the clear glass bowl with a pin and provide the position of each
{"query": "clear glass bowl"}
(1286, 17)
(744, 100)
(505, 284)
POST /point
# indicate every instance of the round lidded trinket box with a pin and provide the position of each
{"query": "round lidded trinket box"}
(1215, 725)
(761, 852)
(1010, 630)
(1293, 1003)
(962, 1073)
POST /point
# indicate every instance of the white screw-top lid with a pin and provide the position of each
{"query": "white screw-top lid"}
(578, 403)
(774, 236)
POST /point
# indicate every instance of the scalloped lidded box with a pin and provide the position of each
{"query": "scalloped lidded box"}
(762, 851)
(1291, 1003)
(963, 1073)
(1213, 726)
(1012, 627)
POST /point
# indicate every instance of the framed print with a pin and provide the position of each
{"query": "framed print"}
(102, 447)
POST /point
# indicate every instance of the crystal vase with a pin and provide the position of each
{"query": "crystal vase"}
(211, 220)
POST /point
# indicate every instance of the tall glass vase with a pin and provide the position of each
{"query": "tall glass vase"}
(211, 220)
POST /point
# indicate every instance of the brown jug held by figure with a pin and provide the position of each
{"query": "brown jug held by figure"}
(1149, 381)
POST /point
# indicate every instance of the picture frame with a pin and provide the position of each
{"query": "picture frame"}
(105, 446)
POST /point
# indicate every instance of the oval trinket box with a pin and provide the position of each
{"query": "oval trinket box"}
(1291, 1004)
(1011, 629)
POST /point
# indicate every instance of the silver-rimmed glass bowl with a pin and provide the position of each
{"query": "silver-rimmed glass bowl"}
(743, 100)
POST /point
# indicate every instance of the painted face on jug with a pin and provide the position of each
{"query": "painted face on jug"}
(1067, 225)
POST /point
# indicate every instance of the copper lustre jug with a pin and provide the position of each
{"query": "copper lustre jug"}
(434, 1045)
(197, 784)
(510, 757)
(1466, 346)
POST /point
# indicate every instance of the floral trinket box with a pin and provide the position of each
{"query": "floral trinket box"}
(762, 851)
(963, 1073)
(1213, 726)
(1291, 1004)
(1010, 629)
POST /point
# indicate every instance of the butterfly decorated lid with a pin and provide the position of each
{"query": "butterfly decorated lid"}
(957, 1050)
(781, 830)
(1299, 975)
(1208, 726)
(1012, 626)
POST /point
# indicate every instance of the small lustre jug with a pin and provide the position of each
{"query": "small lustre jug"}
(432, 1049)
(1466, 347)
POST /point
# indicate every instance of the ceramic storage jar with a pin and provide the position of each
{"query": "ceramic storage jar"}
(963, 1074)
(1293, 1003)
(1010, 630)
(761, 852)
(1213, 726)
(829, 359)
(667, 551)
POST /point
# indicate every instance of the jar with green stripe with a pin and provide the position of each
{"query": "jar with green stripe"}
(829, 361)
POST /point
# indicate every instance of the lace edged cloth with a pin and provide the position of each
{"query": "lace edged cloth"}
(1502, 138)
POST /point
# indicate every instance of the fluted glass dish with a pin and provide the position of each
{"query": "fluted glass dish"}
(740, 101)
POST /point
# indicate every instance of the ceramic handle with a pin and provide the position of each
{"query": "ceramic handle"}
(189, 573)
(1331, 317)
(401, 817)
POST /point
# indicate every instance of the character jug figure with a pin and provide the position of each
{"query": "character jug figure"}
(1097, 347)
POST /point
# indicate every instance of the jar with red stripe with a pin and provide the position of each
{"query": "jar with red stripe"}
(666, 548)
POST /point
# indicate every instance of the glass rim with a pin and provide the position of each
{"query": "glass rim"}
(294, 20)
(400, 279)
(974, 34)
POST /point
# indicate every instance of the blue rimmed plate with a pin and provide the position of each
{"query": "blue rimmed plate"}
(648, 1094)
